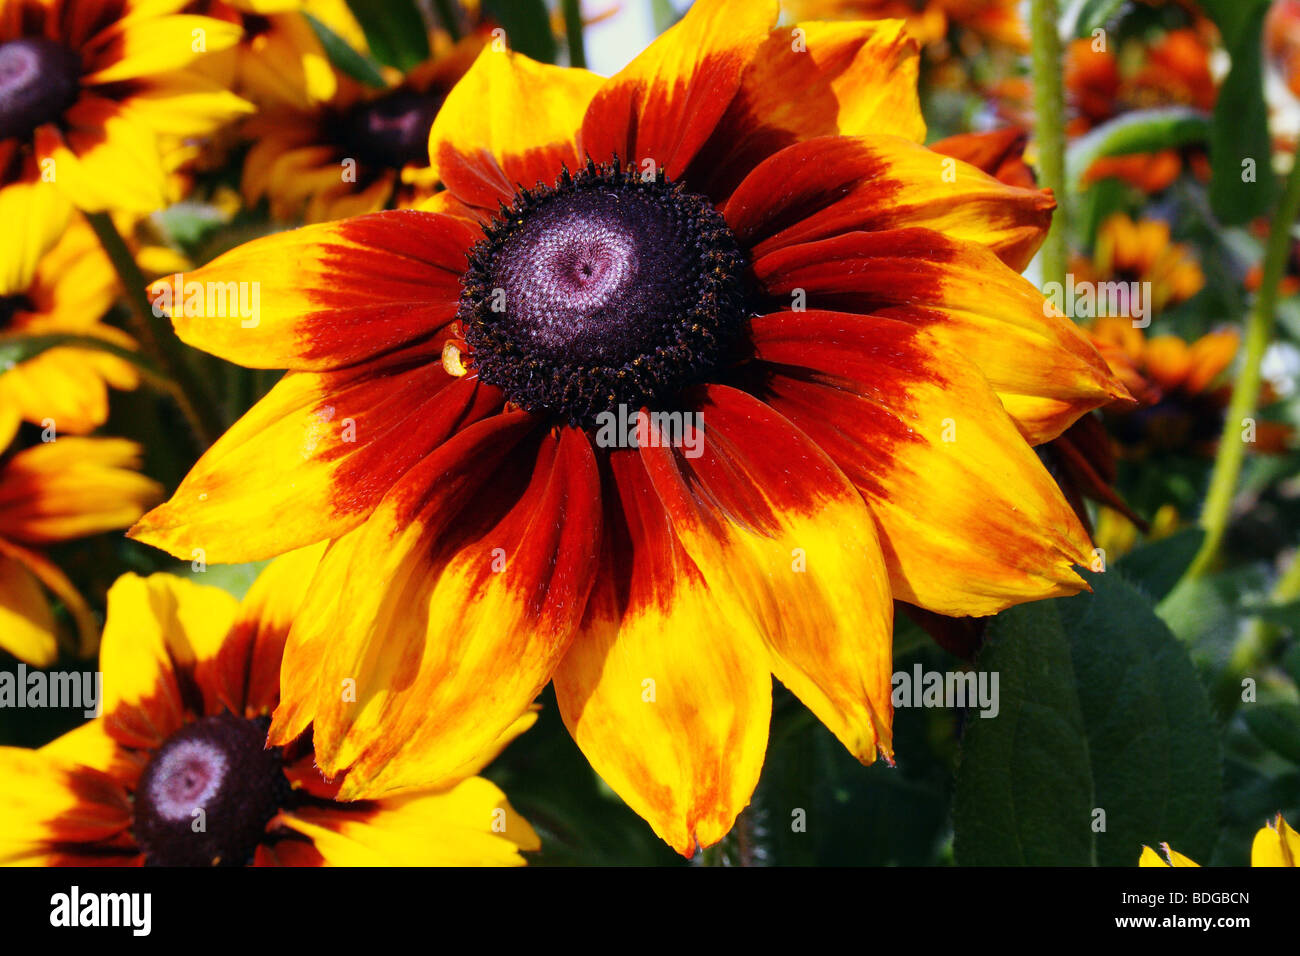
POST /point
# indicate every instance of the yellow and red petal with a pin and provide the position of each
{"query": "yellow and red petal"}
(46, 801)
(825, 187)
(72, 487)
(480, 146)
(157, 631)
(312, 459)
(470, 824)
(768, 517)
(312, 313)
(814, 79)
(667, 687)
(970, 520)
(665, 104)
(969, 300)
(464, 589)
(244, 677)
(141, 46)
(105, 158)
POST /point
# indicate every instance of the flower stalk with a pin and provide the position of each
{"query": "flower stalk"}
(1049, 129)
(156, 336)
(1245, 394)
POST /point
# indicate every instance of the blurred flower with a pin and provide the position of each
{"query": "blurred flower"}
(1181, 400)
(190, 679)
(1142, 252)
(1282, 41)
(361, 150)
(1276, 844)
(56, 491)
(87, 87)
(1000, 153)
(279, 58)
(780, 260)
(1173, 71)
(929, 21)
(67, 292)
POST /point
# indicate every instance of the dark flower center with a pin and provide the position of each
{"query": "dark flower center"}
(207, 794)
(10, 306)
(38, 81)
(392, 130)
(605, 289)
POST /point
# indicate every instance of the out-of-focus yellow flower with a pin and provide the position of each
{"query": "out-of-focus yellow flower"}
(929, 21)
(191, 676)
(1142, 251)
(67, 292)
(56, 491)
(1276, 844)
(90, 86)
(361, 150)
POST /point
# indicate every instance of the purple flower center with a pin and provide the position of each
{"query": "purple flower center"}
(38, 81)
(391, 131)
(207, 794)
(608, 288)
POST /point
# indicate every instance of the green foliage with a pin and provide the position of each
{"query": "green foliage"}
(360, 68)
(1101, 709)
(528, 27)
(395, 31)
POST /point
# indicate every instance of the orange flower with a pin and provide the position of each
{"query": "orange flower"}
(1142, 251)
(824, 319)
(190, 679)
(929, 21)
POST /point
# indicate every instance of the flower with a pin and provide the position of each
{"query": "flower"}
(358, 151)
(88, 88)
(928, 21)
(190, 677)
(1181, 397)
(1142, 252)
(1173, 71)
(65, 291)
(57, 491)
(1276, 844)
(828, 297)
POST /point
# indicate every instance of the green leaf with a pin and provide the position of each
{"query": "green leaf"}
(1232, 17)
(1100, 709)
(1285, 615)
(1142, 131)
(397, 34)
(528, 27)
(1157, 566)
(1088, 15)
(360, 68)
(1277, 726)
(1240, 134)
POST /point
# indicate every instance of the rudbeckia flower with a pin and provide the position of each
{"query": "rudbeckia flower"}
(1180, 391)
(734, 231)
(88, 86)
(1142, 252)
(361, 150)
(1276, 844)
(929, 21)
(56, 491)
(1173, 71)
(176, 771)
(279, 58)
(66, 291)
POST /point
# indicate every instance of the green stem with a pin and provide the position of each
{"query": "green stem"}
(156, 335)
(573, 33)
(1245, 394)
(1258, 640)
(450, 18)
(1049, 125)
